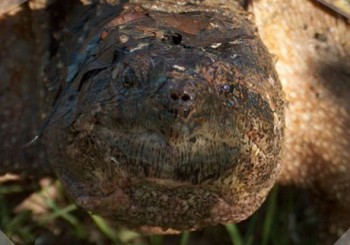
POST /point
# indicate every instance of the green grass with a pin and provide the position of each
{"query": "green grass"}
(279, 221)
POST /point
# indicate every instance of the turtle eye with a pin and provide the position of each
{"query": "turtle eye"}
(226, 89)
(129, 78)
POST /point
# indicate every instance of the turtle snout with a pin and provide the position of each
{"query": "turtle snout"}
(181, 98)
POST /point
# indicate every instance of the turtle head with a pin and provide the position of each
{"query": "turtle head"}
(178, 129)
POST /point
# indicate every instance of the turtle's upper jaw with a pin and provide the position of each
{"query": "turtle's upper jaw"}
(174, 91)
(166, 113)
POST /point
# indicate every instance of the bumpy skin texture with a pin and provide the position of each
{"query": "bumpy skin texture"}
(151, 128)
(313, 50)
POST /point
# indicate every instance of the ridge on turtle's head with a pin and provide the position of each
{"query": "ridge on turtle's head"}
(171, 126)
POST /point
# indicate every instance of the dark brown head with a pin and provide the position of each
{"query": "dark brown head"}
(172, 120)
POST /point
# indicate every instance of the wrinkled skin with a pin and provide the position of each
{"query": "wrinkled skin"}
(151, 131)
(104, 118)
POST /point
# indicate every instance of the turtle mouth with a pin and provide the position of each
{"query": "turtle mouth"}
(181, 112)
(193, 157)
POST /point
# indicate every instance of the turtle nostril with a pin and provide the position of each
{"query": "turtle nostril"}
(186, 97)
(174, 96)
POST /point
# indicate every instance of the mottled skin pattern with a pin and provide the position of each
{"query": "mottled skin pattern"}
(152, 129)
(176, 120)
(313, 53)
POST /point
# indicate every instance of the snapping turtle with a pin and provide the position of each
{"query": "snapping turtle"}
(170, 113)
(150, 127)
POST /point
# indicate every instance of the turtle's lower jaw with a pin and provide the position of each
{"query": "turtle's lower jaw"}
(148, 178)
(148, 203)
(138, 164)
(186, 157)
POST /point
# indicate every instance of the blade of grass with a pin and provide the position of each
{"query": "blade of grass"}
(19, 227)
(270, 215)
(235, 235)
(125, 235)
(11, 189)
(156, 239)
(17, 221)
(106, 229)
(61, 212)
(4, 214)
(249, 236)
(185, 237)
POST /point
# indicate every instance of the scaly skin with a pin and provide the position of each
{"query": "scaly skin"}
(313, 50)
(151, 128)
(105, 124)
